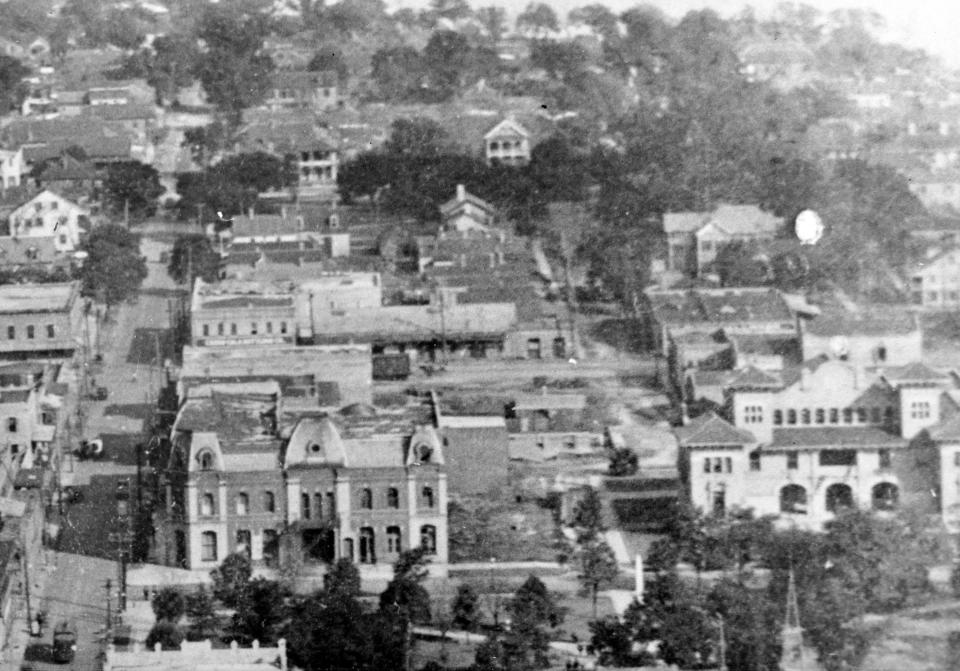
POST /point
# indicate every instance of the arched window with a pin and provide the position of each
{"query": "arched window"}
(805, 416)
(777, 417)
(839, 496)
(206, 505)
(208, 546)
(793, 499)
(791, 416)
(885, 496)
(269, 502)
(393, 539)
(428, 538)
(305, 506)
(243, 504)
(428, 499)
(206, 460)
(366, 499)
(393, 498)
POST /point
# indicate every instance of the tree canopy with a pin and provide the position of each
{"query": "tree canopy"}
(114, 269)
(132, 187)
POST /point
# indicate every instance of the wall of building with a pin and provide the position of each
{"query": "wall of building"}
(477, 459)
(863, 350)
(214, 327)
(67, 332)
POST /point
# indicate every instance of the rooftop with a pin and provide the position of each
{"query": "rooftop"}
(834, 437)
(719, 306)
(21, 298)
(711, 429)
(874, 322)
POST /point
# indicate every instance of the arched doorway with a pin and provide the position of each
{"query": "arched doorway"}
(839, 497)
(793, 499)
(368, 548)
(885, 496)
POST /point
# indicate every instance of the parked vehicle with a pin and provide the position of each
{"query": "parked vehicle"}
(89, 449)
(64, 642)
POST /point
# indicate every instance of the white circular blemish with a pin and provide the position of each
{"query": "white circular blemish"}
(809, 227)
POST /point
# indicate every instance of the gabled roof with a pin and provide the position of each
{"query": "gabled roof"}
(753, 378)
(914, 373)
(834, 437)
(876, 322)
(948, 430)
(711, 429)
(509, 127)
(304, 79)
(455, 203)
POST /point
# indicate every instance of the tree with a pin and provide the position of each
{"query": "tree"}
(317, 621)
(231, 578)
(445, 60)
(532, 609)
(13, 90)
(564, 61)
(330, 59)
(417, 137)
(588, 516)
(466, 608)
(131, 188)
(738, 265)
(172, 65)
(751, 624)
(261, 609)
(233, 70)
(598, 568)
(193, 256)
(167, 634)
(201, 611)
(343, 580)
(599, 17)
(206, 142)
(494, 21)
(537, 18)
(398, 72)
(405, 593)
(623, 462)
(114, 268)
(168, 604)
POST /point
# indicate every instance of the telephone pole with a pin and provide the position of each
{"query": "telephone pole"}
(109, 607)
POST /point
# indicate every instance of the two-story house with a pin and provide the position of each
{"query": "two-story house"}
(805, 443)
(301, 89)
(12, 168)
(49, 215)
(466, 212)
(507, 143)
(361, 484)
(695, 238)
(935, 283)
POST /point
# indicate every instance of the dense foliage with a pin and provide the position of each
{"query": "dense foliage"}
(114, 269)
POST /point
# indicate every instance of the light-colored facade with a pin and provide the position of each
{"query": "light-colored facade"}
(358, 484)
(806, 443)
(313, 91)
(40, 320)
(507, 143)
(12, 168)
(875, 338)
(49, 215)
(198, 656)
(935, 283)
(466, 213)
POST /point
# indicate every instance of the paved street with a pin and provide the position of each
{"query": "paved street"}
(76, 592)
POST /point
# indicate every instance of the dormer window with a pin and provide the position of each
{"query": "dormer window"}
(205, 459)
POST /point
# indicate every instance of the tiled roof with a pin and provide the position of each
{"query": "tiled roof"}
(711, 429)
(231, 416)
(916, 372)
(835, 437)
(303, 79)
(948, 430)
(767, 345)
(873, 322)
(752, 378)
(549, 402)
(683, 222)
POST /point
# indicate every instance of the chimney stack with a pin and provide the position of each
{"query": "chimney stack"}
(461, 193)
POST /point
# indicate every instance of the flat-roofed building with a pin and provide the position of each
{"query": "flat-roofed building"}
(40, 320)
(323, 375)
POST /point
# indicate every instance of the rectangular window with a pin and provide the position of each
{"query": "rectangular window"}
(777, 417)
(11, 333)
(283, 327)
(956, 458)
(793, 461)
(253, 328)
(754, 461)
(820, 416)
(848, 415)
(805, 416)
(12, 424)
(51, 333)
(706, 464)
(31, 332)
(791, 416)
(876, 415)
(862, 415)
(208, 546)
(884, 458)
(233, 329)
(838, 457)
(728, 464)
(206, 329)
(753, 414)
(220, 328)
(269, 327)
(717, 465)
(920, 410)
(834, 416)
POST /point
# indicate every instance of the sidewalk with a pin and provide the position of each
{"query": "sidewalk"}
(19, 638)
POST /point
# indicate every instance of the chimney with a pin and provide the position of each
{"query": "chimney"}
(250, 212)
(283, 212)
(461, 193)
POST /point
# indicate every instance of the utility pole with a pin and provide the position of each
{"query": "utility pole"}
(109, 607)
(26, 584)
